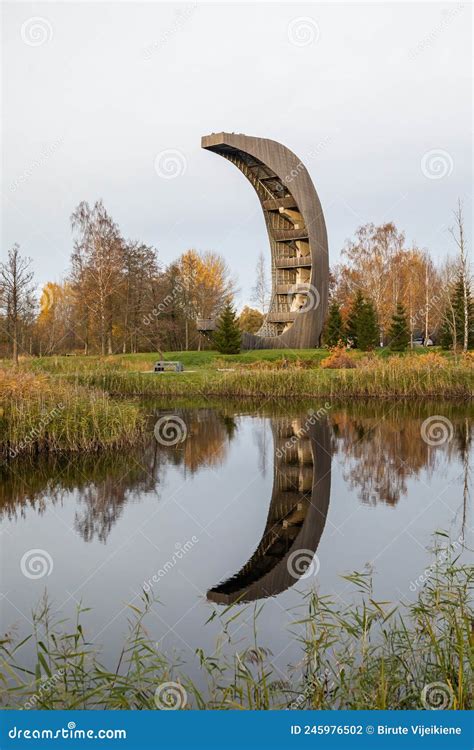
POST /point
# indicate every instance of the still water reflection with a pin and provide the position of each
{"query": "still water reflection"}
(249, 507)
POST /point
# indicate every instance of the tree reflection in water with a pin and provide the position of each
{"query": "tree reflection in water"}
(380, 452)
(380, 447)
(105, 482)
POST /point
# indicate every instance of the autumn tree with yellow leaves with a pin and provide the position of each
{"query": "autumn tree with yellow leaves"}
(378, 264)
(206, 286)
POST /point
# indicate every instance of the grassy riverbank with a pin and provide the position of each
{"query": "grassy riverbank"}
(273, 374)
(366, 655)
(67, 403)
(41, 414)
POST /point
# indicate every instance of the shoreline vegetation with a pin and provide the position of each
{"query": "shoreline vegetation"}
(70, 404)
(39, 413)
(364, 655)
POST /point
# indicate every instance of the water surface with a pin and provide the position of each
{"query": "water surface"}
(248, 508)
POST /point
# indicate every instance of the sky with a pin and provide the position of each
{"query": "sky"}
(110, 100)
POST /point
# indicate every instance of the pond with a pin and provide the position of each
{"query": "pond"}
(234, 505)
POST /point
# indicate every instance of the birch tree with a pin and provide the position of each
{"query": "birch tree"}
(16, 295)
(98, 265)
(457, 232)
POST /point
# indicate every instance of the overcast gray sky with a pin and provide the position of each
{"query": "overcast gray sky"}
(374, 98)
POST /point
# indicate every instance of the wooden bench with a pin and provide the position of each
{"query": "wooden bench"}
(162, 366)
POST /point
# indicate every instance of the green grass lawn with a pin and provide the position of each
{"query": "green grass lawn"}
(189, 359)
(208, 359)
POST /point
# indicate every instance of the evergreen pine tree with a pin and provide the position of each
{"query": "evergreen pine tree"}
(334, 331)
(457, 303)
(227, 336)
(367, 327)
(399, 333)
(446, 333)
(355, 313)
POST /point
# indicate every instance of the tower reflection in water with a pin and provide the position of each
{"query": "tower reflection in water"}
(296, 517)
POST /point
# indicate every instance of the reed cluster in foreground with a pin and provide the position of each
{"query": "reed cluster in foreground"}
(41, 414)
(369, 655)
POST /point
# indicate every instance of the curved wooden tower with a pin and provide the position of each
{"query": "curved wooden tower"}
(297, 235)
(296, 516)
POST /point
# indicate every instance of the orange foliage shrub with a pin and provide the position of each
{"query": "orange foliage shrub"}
(339, 359)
